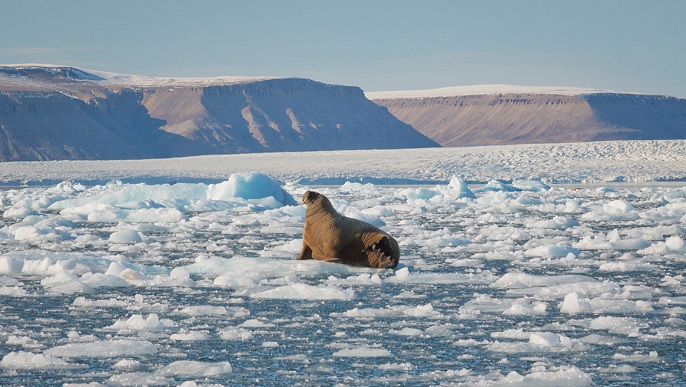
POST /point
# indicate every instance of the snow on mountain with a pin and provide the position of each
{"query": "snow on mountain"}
(456, 91)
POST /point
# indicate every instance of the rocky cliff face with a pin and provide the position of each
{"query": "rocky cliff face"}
(52, 113)
(470, 120)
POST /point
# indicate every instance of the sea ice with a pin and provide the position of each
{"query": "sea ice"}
(106, 349)
(140, 281)
(28, 360)
(189, 368)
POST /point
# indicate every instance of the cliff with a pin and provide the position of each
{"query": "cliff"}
(525, 118)
(53, 113)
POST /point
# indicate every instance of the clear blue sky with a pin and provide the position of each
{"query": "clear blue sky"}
(378, 45)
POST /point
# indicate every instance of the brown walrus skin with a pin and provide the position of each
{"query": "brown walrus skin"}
(331, 237)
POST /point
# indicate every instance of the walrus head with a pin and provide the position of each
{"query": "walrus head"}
(310, 197)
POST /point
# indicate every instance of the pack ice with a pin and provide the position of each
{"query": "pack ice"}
(500, 282)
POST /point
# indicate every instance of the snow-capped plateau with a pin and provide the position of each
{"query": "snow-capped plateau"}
(506, 114)
(56, 113)
(458, 91)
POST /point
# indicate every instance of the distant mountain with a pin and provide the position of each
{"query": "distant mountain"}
(503, 114)
(57, 112)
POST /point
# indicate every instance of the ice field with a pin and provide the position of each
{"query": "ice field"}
(528, 265)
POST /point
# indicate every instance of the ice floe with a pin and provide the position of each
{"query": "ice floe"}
(515, 281)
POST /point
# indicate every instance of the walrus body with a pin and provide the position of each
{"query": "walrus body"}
(332, 237)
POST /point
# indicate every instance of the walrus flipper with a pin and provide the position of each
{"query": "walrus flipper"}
(305, 253)
(330, 259)
(379, 254)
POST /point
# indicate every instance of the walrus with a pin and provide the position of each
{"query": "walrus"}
(331, 237)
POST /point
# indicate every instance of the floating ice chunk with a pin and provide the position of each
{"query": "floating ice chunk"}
(66, 187)
(558, 222)
(104, 349)
(426, 311)
(541, 376)
(306, 292)
(110, 303)
(421, 193)
(618, 325)
(139, 379)
(247, 271)
(673, 245)
(12, 291)
(407, 331)
(352, 212)
(300, 358)
(482, 303)
(18, 213)
(438, 238)
(154, 215)
(379, 211)
(28, 360)
(66, 283)
(35, 234)
(189, 368)
(22, 341)
(526, 307)
(516, 334)
(125, 237)
(98, 280)
(9, 281)
(441, 278)
(180, 274)
(137, 322)
(402, 273)
(613, 210)
(440, 330)
(94, 212)
(184, 335)
(238, 281)
(546, 339)
(362, 352)
(133, 276)
(127, 364)
(10, 265)
(204, 310)
(496, 186)
(540, 342)
(460, 189)
(362, 279)
(255, 323)
(235, 334)
(574, 304)
(531, 185)
(559, 251)
(350, 186)
(639, 357)
(523, 280)
(250, 186)
(611, 241)
(627, 266)
(618, 207)
(129, 212)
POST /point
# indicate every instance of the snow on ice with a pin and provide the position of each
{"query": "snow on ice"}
(501, 281)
